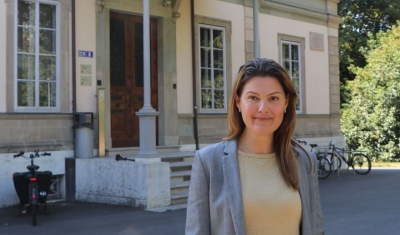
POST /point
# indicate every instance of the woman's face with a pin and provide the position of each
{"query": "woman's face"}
(262, 104)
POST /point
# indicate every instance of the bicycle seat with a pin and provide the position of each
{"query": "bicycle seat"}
(313, 145)
(36, 167)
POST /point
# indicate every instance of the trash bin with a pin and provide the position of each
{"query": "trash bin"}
(83, 135)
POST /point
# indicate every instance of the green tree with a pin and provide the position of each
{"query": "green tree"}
(361, 19)
(371, 118)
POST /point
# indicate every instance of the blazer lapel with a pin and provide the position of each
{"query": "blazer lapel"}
(233, 189)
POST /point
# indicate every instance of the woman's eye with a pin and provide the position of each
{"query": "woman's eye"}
(274, 98)
(252, 98)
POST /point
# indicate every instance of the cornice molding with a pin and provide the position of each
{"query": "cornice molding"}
(334, 21)
(294, 9)
(334, 1)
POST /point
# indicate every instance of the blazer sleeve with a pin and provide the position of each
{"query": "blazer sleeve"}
(198, 212)
(319, 218)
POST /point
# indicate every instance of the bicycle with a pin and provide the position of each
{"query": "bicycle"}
(356, 159)
(324, 163)
(32, 187)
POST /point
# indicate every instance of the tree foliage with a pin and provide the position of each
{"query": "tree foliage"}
(371, 118)
(361, 20)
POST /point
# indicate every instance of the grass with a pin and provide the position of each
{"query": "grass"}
(386, 164)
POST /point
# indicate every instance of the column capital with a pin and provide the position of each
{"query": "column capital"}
(100, 4)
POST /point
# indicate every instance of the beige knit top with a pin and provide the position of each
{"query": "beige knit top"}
(270, 206)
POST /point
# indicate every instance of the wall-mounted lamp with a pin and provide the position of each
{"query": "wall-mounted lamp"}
(166, 3)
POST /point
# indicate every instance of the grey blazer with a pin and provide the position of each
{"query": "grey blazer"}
(215, 200)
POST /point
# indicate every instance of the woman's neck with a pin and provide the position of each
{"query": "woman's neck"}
(249, 142)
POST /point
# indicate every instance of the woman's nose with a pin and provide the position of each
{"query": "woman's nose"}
(263, 106)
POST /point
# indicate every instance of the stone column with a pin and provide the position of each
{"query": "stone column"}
(333, 22)
(147, 115)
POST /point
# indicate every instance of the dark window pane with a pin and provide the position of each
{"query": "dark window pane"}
(26, 13)
(218, 39)
(26, 67)
(295, 69)
(47, 94)
(218, 78)
(295, 52)
(205, 78)
(26, 94)
(26, 39)
(47, 41)
(205, 58)
(47, 68)
(139, 55)
(219, 99)
(205, 37)
(286, 65)
(117, 52)
(285, 51)
(206, 100)
(47, 17)
(295, 82)
(219, 59)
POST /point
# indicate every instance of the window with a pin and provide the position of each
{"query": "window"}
(212, 69)
(37, 56)
(291, 61)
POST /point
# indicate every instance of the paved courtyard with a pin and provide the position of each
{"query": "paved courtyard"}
(352, 204)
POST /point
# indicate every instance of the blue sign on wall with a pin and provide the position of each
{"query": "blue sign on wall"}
(85, 54)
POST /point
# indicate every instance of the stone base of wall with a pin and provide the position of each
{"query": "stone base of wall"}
(137, 184)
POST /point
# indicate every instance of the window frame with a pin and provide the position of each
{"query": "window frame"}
(37, 53)
(300, 41)
(300, 77)
(212, 110)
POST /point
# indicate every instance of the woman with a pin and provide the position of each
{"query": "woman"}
(258, 181)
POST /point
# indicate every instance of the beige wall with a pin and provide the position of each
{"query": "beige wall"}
(213, 9)
(3, 57)
(316, 62)
(86, 41)
(184, 59)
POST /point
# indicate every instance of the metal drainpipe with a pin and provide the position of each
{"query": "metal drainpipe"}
(195, 128)
(73, 54)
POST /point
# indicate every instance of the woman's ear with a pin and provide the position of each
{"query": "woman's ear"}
(237, 102)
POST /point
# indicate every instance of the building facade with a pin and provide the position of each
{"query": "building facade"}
(63, 57)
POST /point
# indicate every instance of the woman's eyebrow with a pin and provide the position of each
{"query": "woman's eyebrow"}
(273, 93)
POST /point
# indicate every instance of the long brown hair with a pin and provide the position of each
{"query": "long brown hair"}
(262, 67)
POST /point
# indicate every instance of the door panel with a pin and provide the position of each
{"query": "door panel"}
(126, 76)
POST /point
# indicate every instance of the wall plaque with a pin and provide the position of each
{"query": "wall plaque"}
(316, 41)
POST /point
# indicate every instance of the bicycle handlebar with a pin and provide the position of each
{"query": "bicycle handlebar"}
(19, 154)
(118, 157)
(36, 154)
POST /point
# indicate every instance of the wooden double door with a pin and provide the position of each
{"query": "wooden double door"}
(126, 76)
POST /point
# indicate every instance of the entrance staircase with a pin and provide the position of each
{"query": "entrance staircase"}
(180, 163)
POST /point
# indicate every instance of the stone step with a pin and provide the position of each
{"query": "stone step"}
(180, 184)
(168, 208)
(178, 156)
(180, 166)
(132, 151)
(179, 198)
(179, 187)
(180, 174)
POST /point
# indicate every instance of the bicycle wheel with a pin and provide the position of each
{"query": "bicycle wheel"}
(34, 212)
(324, 167)
(361, 164)
(336, 162)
